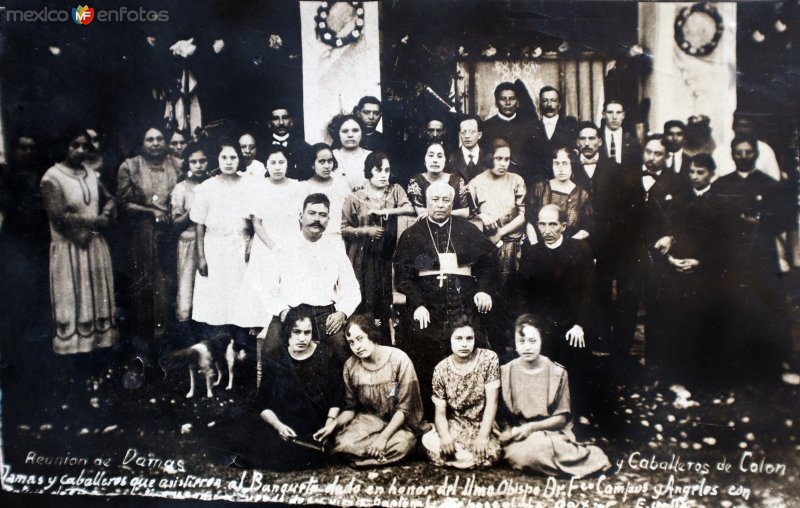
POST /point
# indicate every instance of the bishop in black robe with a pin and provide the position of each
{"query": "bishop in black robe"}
(445, 295)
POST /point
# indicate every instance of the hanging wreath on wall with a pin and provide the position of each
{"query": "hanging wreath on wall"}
(698, 29)
(339, 23)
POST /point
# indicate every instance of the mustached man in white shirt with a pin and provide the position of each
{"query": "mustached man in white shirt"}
(313, 270)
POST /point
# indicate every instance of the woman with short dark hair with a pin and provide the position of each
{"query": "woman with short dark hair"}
(369, 229)
(383, 410)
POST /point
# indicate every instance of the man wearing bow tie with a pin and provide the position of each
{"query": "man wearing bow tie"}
(645, 214)
(281, 126)
(601, 178)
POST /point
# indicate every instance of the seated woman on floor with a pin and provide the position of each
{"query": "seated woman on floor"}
(535, 413)
(299, 394)
(465, 391)
(383, 409)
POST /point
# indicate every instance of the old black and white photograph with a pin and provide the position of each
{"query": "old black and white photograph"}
(400, 253)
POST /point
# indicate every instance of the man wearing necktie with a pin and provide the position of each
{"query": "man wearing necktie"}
(645, 215)
(282, 133)
(621, 147)
(674, 139)
(469, 160)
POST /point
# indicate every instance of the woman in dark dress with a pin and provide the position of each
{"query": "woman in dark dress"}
(435, 161)
(300, 393)
(369, 228)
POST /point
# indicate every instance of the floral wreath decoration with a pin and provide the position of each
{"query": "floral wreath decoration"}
(680, 36)
(330, 37)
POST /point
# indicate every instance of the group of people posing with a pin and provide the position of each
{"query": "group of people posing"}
(304, 255)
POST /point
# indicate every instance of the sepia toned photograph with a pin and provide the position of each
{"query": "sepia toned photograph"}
(405, 254)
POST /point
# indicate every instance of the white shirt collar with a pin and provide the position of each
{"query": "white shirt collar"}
(475, 152)
(701, 191)
(501, 116)
(556, 244)
(550, 121)
(285, 137)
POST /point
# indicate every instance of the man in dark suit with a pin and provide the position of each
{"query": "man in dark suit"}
(621, 147)
(756, 210)
(644, 217)
(518, 129)
(469, 160)
(592, 170)
(370, 110)
(281, 126)
(689, 315)
(674, 139)
(553, 129)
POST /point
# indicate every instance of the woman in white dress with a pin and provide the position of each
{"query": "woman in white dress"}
(220, 217)
(326, 181)
(347, 131)
(274, 204)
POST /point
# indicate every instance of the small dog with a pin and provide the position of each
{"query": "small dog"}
(205, 357)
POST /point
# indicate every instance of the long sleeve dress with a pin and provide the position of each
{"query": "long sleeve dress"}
(418, 186)
(577, 205)
(145, 184)
(81, 281)
(376, 395)
(300, 393)
(464, 396)
(372, 257)
(530, 395)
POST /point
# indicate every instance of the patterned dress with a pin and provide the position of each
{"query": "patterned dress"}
(577, 205)
(464, 395)
(376, 394)
(535, 394)
(81, 282)
(419, 184)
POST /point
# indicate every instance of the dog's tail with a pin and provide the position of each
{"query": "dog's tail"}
(178, 359)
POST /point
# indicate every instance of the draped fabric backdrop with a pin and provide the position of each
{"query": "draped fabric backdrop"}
(580, 82)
